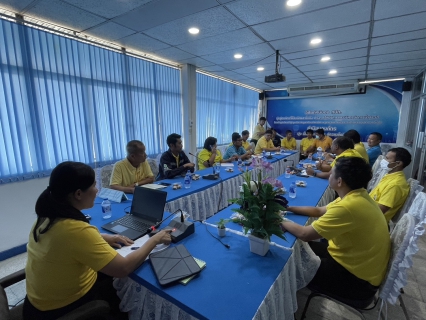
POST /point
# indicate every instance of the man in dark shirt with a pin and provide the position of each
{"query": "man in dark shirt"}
(174, 161)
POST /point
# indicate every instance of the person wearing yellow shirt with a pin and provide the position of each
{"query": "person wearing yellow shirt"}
(288, 143)
(358, 145)
(321, 140)
(306, 143)
(245, 144)
(355, 259)
(69, 262)
(392, 191)
(211, 155)
(265, 143)
(342, 147)
(132, 171)
(259, 130)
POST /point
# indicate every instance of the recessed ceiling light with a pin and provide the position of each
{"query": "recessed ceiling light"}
(193, 30)
(333, 71)
(326, 58)
(238, 56)
(260, 69)
(316, 40)
(292, 3)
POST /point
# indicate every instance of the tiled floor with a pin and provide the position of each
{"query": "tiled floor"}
(412, 308)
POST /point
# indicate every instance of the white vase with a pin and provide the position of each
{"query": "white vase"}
(221, 232)
(258, 246)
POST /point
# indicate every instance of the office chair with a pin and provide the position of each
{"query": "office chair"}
(97, 309)
(402, 239)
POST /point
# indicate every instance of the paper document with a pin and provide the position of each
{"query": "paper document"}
(153, 186)
(227, 164)
(124, 251)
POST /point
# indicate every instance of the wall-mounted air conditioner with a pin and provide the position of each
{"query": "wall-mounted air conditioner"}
(325, 88)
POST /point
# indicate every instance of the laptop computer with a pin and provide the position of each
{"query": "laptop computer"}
(147, 210)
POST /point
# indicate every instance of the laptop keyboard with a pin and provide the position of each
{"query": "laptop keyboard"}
(130, 222)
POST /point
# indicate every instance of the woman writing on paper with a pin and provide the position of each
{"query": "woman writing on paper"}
(69, 262)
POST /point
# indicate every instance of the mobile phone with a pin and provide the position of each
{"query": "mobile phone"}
(88, 217)
(165, 184)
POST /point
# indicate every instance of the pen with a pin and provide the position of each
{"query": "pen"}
(134, 248)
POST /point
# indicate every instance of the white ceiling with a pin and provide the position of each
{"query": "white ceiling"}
(365, 39)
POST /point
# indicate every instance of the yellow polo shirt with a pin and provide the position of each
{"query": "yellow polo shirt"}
(361, 150)
(258, 129)
(324, 144)
(205, 155)
(262, 143)
(62, 266)
(306, 143)
(346, 153)
(357, 234)
(126, 175)
(289, 145)
(392, 191)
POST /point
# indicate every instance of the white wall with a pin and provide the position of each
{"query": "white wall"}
(17, 203)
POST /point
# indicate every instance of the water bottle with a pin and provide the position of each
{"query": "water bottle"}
(292, 191)
(264, 154)
(287, 172)
(240, 162)
(310, 156)
(187, 180)
(106, 209)
(319, 153)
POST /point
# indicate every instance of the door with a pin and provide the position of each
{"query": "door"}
(419, 147)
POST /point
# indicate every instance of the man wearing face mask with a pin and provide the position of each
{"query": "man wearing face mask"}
(392, 191)
(321, 140)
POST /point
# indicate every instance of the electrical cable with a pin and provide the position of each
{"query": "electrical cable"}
(224, 244)
(220, 194)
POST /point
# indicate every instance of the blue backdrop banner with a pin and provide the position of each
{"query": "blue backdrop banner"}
(376, 110)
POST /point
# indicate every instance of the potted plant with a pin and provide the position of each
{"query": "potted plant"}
(221, 230)
(260, 205)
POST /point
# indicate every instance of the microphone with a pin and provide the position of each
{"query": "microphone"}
(194, 156)
(152, 228)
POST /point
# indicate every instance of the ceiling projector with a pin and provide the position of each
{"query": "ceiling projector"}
(277, 77)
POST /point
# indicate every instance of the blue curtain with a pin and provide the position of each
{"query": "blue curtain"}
(223, 108)
(62, 99)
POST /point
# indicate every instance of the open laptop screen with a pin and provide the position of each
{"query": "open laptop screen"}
(148, 203)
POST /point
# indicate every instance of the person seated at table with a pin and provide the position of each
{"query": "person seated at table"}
(259, 130)
(174, 161)
(69, 262)
(355, 259)
(358, 145)
(236, 150)
(275, 138)
(288, 143)
(392, 191)
(246, 144)
(342, 147)
(132, 171)
(211, 155)
(265, 143)
(306, 143)
(321, 140)
(374, 150)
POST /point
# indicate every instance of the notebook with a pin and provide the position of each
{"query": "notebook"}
(173, 264)
(147, 210)
(202, 264)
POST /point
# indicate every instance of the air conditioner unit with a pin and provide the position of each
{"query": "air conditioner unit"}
(324, 88)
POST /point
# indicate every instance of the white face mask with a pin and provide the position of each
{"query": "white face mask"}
(384, 165)
(316, 136)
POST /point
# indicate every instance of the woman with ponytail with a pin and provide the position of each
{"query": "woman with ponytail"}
(69, 262)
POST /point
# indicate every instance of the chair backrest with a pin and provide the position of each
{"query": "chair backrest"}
(196, 160)
(418, 207)
(380, 173)
(385, 148)
(158, 158)
(415, 188)
(106, 172)
(154, 166)
(399, 261)
(253, 146)
(376, 164)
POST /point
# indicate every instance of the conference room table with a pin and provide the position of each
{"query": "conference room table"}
(236, 284)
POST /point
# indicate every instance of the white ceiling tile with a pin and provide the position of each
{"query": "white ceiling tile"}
(15, 5)
(334, 64)
(210, 22)
(108, 9)
(232, 40)
(328, 50)
(158, 12)
(419, 34)
(391, 8)
(251, 52)
(400, 24)
(64, 14)
(213, 68)
(142, 42)
(402, 64)
(330, 18)
(403, 56)
(109, 31)
(392, 74)
(399, 47)
(329, 38)
(196, 61)
(339, 71)
(255, 11)
(336, 56)
(173, 54)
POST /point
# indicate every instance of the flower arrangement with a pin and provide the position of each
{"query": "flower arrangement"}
(261, 202)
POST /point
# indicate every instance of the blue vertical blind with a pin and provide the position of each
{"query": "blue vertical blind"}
(223, 108)
(61, 99)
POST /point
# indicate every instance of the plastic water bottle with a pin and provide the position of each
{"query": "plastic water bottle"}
(240, 162)
(310, 156)
(264, 154)
(292, 191)
(319, 153)
(106, 209)
(187, 180)
(287, 172)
